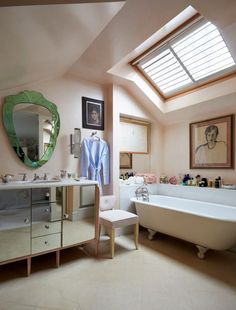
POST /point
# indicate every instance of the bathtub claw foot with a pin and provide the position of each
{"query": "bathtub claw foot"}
(151, 234)
(201, 251)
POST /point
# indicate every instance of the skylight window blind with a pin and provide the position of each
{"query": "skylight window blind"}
(166, 72)
(203, 52)
(188, 59)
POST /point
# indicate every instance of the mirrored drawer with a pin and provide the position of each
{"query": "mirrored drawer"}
(45, 228)
(40, 195)
(47, 212)
(46, 243)
(50, 194)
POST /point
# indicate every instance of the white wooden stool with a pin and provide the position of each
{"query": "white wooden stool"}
(114, 218)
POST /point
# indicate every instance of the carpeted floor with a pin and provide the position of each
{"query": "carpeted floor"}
(164, 274)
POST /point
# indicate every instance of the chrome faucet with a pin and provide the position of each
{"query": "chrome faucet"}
(45, 176)
(142, 192)
(36, 177)
(23, 176)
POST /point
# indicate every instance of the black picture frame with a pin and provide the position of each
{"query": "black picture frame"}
(92, 113)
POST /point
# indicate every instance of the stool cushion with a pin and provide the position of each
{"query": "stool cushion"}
(117, 218)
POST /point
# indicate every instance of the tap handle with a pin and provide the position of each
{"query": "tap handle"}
(23, 176)
(36, 176)
(45, 176)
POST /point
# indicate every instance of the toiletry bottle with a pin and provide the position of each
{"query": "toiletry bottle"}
(210, 183)
(205, 182)
(198, 179)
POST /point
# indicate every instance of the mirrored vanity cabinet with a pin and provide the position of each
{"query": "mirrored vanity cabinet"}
(40, 218)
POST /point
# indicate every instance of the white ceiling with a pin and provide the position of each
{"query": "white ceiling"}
(94, 41)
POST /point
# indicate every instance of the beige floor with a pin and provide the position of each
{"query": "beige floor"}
(163, 274)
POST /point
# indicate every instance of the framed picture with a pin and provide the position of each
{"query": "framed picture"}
(125, 161)
(92, 113)
(211, 143)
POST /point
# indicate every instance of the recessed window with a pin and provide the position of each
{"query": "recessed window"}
(193, 57)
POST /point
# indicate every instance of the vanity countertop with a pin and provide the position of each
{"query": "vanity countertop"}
(42, 183)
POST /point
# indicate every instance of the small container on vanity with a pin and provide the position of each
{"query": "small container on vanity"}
(203, 182)
(218, 182)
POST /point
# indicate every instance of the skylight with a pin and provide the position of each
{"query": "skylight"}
(195, 56)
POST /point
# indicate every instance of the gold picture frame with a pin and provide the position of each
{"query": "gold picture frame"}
(211, 143)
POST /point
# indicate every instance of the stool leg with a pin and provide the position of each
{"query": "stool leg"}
(136, 233)
(112, 241)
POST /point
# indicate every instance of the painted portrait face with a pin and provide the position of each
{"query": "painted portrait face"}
(211, 136)
(94, 115)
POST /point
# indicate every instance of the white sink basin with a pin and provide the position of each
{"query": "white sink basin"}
(45, 181)
(18, 182)
(33, 182)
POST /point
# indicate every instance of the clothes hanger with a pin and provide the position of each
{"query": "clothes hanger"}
(94, 136)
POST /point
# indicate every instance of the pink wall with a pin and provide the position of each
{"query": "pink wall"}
(129, 106)
(124, 103)
(169, 144)
(66, 93)
(176, 149)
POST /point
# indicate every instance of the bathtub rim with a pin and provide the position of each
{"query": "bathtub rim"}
(163, 206)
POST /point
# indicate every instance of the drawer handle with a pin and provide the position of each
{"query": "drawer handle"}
(46, 242)
(47, 226)
(46, 210)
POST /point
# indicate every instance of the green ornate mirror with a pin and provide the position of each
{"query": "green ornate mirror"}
(32, 124)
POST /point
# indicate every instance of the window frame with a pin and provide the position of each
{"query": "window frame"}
(163, 44)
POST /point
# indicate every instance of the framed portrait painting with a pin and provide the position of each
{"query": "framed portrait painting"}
(211, 143)
(125, 161)
(92, 113)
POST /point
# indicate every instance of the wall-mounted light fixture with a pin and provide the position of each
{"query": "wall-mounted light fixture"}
(75, 141)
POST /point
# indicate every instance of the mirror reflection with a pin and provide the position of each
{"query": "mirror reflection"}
(79, 215)
(32, 124)
(33, 127)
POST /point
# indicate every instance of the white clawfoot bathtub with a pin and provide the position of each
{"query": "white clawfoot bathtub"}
(208, 225)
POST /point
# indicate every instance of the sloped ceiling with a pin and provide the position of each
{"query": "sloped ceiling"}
(90, 40)
(38, 42)
(138, 21)
(44, 2)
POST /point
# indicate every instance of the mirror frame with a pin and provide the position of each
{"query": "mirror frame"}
(37, 98)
